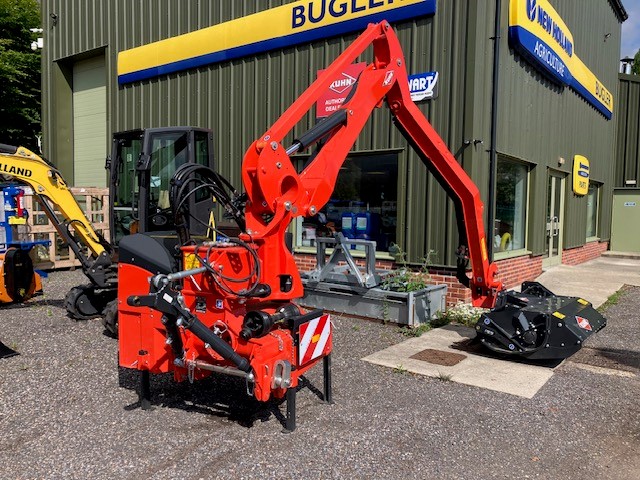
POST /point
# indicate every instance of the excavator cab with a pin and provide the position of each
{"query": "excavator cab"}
(141, 166)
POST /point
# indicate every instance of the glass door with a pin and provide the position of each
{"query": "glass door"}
(554, 230)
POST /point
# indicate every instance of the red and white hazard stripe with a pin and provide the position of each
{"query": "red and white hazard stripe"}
(315, 336)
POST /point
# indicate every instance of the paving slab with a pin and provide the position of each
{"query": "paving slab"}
(478, 370)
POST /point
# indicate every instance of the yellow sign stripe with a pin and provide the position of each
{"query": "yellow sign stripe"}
(290, 19)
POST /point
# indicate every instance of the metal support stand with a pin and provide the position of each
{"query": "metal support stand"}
(326, 366)
(290, 421)
(341, 267)
(144, 392)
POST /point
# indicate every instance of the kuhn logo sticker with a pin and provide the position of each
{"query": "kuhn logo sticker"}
(388, 78)
(338, 90)
(342, 84)
(584, 323)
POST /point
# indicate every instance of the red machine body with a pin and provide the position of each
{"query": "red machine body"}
(171, 337)
(143, 335)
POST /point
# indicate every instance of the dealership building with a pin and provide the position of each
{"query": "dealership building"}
(525, 94)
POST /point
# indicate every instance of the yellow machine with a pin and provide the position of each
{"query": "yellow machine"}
(18, 281)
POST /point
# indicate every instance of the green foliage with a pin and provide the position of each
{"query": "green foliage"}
(635, 68)
(612, 300)
(406, 279)
(19, 73)
(400, 369)
(462, 313)
(415, 331)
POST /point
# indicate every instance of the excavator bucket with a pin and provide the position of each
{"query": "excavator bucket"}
(6, 352)
(538, 325)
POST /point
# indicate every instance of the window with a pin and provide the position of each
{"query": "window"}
(592, 211)
(363, 204)
(511, 203)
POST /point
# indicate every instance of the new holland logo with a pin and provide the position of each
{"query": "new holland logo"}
(584, 323)
(13, 170)
(532, 7)
(342, 84)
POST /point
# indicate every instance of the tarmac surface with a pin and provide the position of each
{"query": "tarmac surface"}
(67, 411)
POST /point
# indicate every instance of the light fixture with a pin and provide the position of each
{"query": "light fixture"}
(627, 63)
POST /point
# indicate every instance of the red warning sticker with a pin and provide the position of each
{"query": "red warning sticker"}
(583, 323)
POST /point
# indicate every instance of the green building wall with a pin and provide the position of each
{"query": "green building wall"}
(239, 99)
(627, 166)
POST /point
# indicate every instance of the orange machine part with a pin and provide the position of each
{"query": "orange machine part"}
(142, 335)
(5, 296)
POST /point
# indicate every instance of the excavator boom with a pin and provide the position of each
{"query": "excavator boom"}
(54, 194)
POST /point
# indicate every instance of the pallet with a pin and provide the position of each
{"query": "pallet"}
(93, 201)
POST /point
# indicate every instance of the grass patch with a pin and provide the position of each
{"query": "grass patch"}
(400, 369)
(415, 331)
(613, 299)
(444, 377)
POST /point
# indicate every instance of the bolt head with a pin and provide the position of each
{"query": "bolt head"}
(274, 145)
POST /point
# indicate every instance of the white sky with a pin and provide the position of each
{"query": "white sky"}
(631, 29)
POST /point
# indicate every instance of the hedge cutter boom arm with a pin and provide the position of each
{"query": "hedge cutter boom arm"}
(277, 193)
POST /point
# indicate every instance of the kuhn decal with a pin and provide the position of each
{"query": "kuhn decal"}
(341, 85)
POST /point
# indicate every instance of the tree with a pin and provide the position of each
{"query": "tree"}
(19, 73)
(635, 68)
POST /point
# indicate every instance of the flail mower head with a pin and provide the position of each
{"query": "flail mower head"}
(538, 325)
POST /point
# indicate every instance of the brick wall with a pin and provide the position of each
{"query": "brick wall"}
(511, 271)
(589, 251)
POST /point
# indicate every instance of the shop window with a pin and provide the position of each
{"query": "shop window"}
(592, 211)
(511, 206)
(363, 204)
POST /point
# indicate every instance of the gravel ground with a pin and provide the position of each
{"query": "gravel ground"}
(67, 412)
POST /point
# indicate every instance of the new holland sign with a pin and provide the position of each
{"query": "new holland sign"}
(580, 175)
(291, 24)
(539, 33)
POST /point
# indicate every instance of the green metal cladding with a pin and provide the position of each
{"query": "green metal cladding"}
(537, 121)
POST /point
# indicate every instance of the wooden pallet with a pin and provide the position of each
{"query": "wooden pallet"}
(93, 201)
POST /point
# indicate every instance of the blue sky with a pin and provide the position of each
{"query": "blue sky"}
(631, 29)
